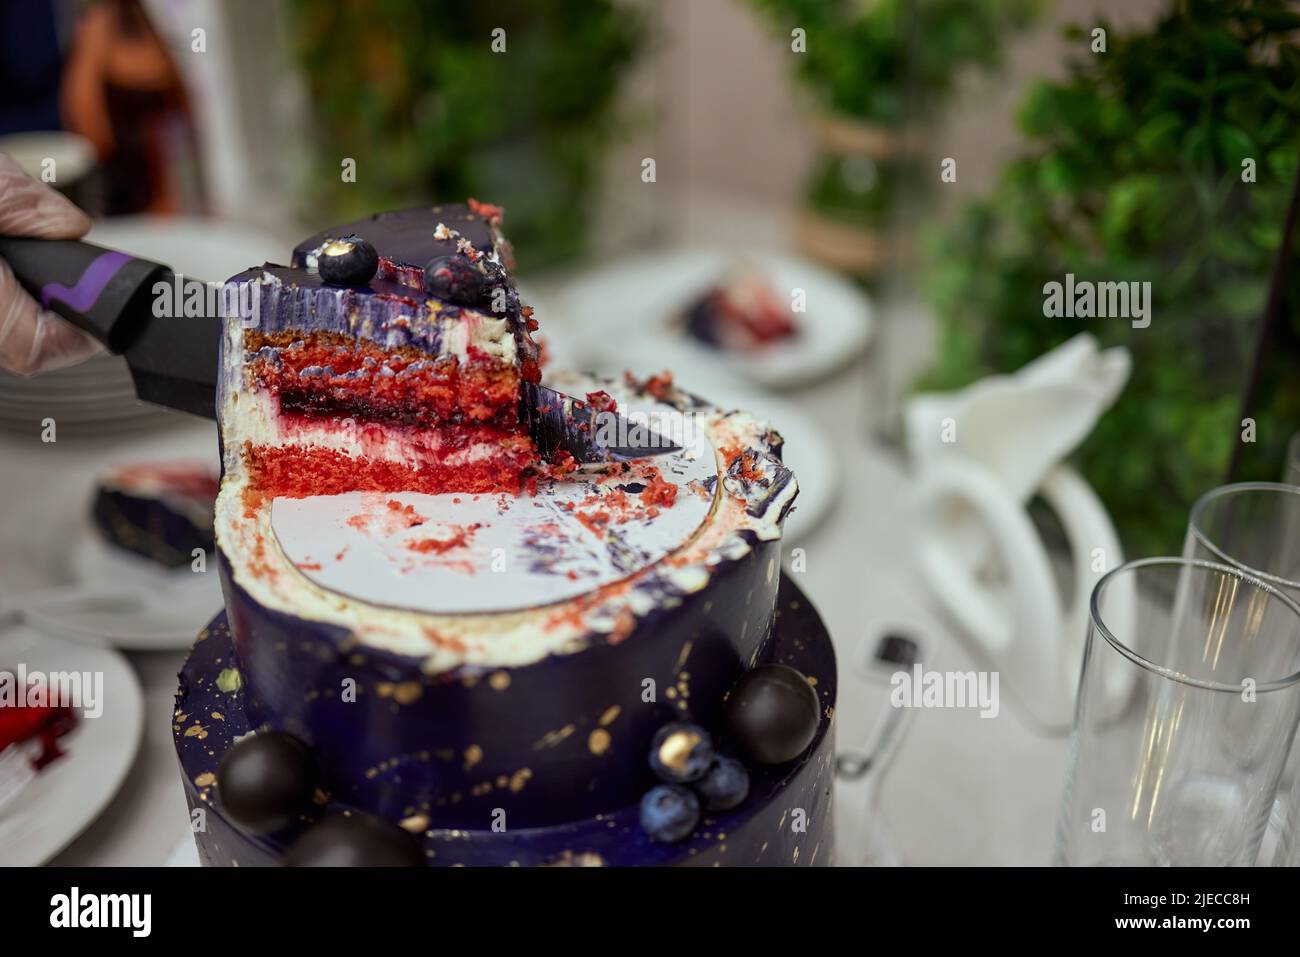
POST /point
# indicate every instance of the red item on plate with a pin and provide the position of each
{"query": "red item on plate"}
(45, 724)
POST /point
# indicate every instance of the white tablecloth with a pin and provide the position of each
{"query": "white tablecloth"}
(963, 790)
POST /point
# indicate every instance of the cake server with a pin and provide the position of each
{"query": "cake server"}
(174, 359)
(559, 422)
(110, 294)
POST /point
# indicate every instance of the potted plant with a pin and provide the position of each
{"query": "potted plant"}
(1167, 159)
(511, 104)
(877, 71)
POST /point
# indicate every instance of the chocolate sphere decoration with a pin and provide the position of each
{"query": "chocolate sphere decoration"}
(681, 753)
(266, 780)
(772, 714)
(350, 261)
(669, 812)
(355, 840)
(454, 278)
(724, 786)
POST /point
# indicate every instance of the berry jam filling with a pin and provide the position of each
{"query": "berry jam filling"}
(353, 416)
(331, 376)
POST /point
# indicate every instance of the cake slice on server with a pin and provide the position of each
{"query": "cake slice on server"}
(358, 371)
(455, 627)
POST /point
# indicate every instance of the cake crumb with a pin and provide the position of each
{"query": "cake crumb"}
(490, 213)
(602, 401)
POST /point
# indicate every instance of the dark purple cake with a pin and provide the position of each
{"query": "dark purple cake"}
(435, 643)
(159, 511)
(784, 821)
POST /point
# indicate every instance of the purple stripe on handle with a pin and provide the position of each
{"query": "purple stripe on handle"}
(92, 282)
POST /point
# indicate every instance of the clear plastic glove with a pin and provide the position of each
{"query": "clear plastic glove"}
(33, 339)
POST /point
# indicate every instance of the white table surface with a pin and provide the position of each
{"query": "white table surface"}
(963, 790)
(45, 491)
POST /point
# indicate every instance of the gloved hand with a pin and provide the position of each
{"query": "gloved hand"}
(33, 339)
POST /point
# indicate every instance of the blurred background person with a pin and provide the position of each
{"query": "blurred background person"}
(122, 92)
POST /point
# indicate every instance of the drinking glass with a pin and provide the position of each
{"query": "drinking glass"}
(1256, 527)
(1252, 525)
(1186, 774)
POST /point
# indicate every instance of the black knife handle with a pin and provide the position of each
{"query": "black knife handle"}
(103, 291)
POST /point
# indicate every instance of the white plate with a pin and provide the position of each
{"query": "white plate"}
(71, 792)
(115, 425)
(629, 308)
(207, 249)
(174, 604)
(153, 608)
(73, 155)
(184, 854)
(808, 451)
(178, 601)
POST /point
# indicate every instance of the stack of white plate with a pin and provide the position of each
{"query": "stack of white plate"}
(97, 395)
(92, 397)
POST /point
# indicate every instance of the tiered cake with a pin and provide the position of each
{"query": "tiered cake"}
(439, 647)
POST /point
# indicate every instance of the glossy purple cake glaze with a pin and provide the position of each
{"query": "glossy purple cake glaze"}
(404, 242)
(382, 310)
(786, 819)
(393, 308)
(565, 737)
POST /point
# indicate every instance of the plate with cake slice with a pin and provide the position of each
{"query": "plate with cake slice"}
(70, 727)
(768, 318)
(143, 565)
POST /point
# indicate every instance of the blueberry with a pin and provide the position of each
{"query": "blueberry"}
(725, 785)
(681, 753)
(350, 261)
(669, 813)
(454, 278)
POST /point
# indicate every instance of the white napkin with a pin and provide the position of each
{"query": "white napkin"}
(1022, 424)
(978, 455)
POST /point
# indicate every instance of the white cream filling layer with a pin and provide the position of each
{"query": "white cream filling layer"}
(256, 418)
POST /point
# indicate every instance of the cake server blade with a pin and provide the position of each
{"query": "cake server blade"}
(560, 423)
(175, 362)
(110, 295)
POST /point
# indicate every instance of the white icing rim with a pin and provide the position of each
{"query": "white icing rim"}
(742, 506)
